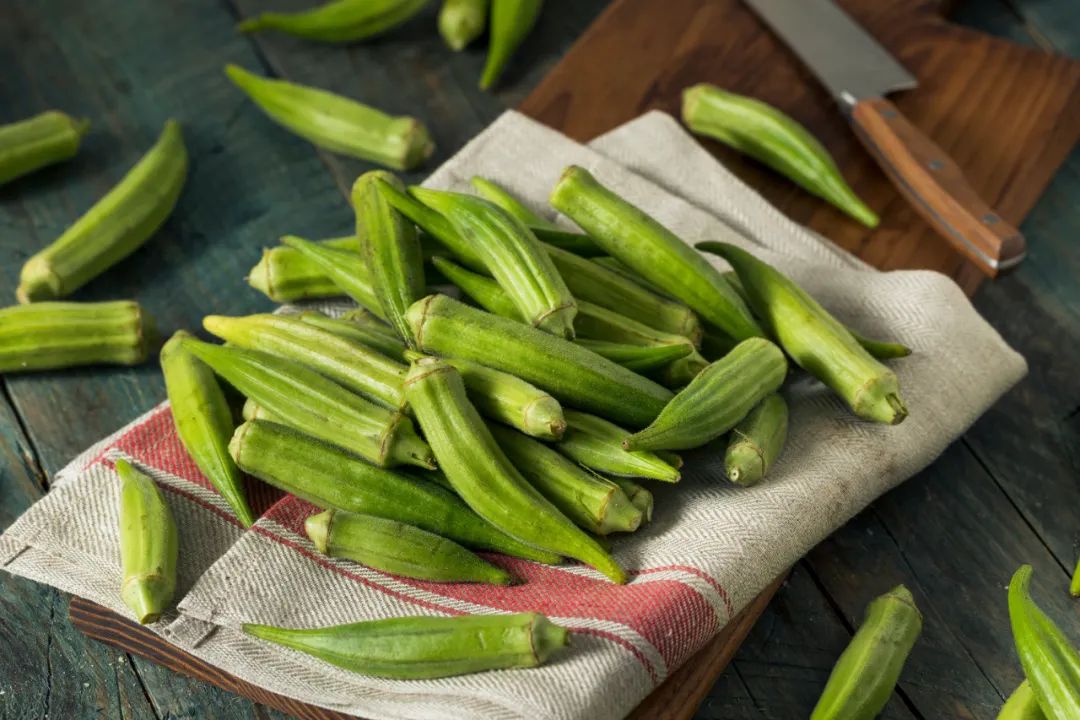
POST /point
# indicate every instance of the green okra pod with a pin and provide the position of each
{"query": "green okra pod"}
(391, 250)
(508, 399)
(652, 251)
(511, 23)
(639, 358)
(302, 398)
(353, 325)
(347, 269)
(343, 360)
(771, 137)
(54, 335)
(682, 372)
(37, 142)
(284, 274)
(756, 441)
(337, 123)
(332, 478)
(639, 496)
(148, 545)
(513, 256)
(597, 444)
(592, 502)
(338, 21)
(866, 673)
(116, 226)
(415, 648)
(572, 374)
(617, 266)
(590, 282)
(717, 399)
(1074, 585)
(815, 340)
(482, 474)
(398, 548)
(462, 21)
(435, 225)
(1022, 705)
(1051, 663)
(252, 411)
(204, 422)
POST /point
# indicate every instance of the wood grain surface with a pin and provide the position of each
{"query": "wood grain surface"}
(1005, 494)
(1006, 114)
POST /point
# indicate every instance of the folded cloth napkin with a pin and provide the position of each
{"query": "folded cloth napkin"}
(710, 549)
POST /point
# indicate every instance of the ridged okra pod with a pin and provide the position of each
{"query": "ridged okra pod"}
(513, 256)
(116, 226)
(816, 340)
(338, 21)
(148, 545)
(332, 478)
(597, 444)
(573, 375)
(285, 274)
(652, 251)
(391, 249)
(415, 648)
(1051, 663)
(375, 335)
(509, 399)
(722, 395)
(617, 266)
(639, 358)
(37, 142)
(594, 283)
(880, 349)
(252, 411)
(398, 548)
(1022, 705)
(482, 474)
(639, 496)
(756, 441)
(434, 224)
(345, 361)
(771, 137)
(462, 21)
(592, 502)
(864, 677)
(511, 23)
(54, 335)
(337, 123)
(204, 422)
(346, 269)
(302, 398)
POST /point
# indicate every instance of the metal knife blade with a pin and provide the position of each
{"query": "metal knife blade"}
(847, 59)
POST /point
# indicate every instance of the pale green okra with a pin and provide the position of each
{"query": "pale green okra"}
(415, 648)
(337, 123)
(482, 474)
(639, 358)
(718, 398)
(285, 274)
(462, 21)
(149, 545)
(37, 142)
(398, 548)
(55, 335)
(360, 326)
(331, 478)
(338, 21)
(756, 441)
(1022, 705)
(597, 444)
(639, 496)
(117, 225)
(346, 269)
(204, 422)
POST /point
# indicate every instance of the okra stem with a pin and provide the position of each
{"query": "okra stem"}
(148, 545)
(756, 441)
(36, 142)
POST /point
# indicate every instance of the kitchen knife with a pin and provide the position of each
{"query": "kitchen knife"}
(859, 73)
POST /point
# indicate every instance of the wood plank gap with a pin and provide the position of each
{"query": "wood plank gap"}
(1063, 564)
(1037, 36)
(909, 703)
(142, 686)
(30, 453)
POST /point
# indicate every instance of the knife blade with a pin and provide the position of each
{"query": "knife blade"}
(859, 72)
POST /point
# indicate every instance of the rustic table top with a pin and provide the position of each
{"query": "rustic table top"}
(1005, 494)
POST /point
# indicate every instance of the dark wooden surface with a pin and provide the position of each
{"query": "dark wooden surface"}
(1006, 494)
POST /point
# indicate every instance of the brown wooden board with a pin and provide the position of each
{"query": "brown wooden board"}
(675, 699)
(1007, 114)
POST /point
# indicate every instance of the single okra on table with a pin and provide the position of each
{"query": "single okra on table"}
(36, 142)
(338, 21)
(285, 274)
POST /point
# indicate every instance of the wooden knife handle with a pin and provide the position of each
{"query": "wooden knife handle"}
(936, 187)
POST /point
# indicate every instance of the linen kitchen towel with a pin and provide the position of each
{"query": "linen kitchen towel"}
(710, 549)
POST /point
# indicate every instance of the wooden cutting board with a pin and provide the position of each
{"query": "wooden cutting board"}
(1007, 114)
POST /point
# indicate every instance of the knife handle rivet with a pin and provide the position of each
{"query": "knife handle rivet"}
(935, 165)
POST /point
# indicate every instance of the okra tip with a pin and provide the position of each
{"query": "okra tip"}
(317, 528)
(145, 595)
(547, 637)
(38, 281)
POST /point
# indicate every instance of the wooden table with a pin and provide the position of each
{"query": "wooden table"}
(1006, 494)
